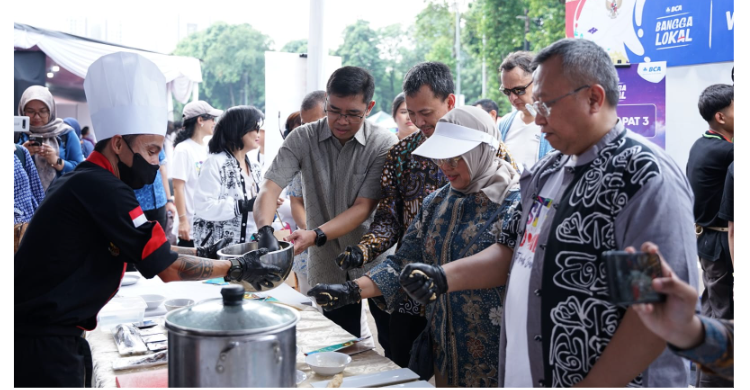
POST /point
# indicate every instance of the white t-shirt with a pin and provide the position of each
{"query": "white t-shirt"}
(523, 140)
(517, 368)
(185, 165)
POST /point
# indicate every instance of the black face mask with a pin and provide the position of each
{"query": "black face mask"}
(140, 174)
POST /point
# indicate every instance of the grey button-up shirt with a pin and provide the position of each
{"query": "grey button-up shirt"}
(333, 176)
(661, 212)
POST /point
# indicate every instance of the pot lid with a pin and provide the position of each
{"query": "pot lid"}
(232, 314)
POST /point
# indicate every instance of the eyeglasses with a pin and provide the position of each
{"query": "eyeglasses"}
(519, 91)
(335, 115)
(40, 114)
(453, 161)
(545, 108)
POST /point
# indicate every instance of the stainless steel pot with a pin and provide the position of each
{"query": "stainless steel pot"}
(283, 258)
(232, 342)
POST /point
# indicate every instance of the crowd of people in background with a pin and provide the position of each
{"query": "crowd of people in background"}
(481, 228)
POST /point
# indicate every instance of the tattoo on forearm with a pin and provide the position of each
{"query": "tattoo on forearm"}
(194, 268)
(183, 250)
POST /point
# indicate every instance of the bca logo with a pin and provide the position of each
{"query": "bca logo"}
(652, 68)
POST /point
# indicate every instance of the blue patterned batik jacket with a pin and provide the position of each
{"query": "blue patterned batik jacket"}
(466, 326)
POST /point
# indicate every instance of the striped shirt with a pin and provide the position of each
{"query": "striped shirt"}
(27, 189)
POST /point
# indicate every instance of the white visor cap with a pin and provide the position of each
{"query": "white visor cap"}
(451, 140)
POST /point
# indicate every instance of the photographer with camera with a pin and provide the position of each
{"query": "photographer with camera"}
(53, 144)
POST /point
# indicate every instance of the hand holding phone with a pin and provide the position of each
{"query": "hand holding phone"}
(630, 276)
(36, 141)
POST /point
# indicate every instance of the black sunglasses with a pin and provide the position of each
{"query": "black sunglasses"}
(519, 91)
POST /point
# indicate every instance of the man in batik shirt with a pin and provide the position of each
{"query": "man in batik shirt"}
(407, 179)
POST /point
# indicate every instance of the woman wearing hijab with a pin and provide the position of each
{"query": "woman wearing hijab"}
(228, 180)
(474, 211)
(53, 144)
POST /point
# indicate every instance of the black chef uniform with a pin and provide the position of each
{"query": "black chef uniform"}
(69, 265)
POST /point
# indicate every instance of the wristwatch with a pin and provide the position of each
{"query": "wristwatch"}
(59, 161)
(321, 237)
(235, 271)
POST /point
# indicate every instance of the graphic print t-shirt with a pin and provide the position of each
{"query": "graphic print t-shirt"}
(517, 368)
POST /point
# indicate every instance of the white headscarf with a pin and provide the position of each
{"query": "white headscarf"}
(488, 173)
(55, 126)
(49, 132)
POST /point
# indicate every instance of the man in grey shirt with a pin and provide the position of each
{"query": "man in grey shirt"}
(340, 158)
(605, 188)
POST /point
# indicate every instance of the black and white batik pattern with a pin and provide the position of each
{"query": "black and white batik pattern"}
(230, 184)
(582, 320)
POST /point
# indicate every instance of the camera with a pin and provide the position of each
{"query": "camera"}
(21, 124)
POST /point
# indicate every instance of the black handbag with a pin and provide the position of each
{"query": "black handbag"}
(421, 359)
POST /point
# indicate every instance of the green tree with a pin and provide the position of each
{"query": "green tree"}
(550, 27)
(360, 48)
(397, 49)
(498, 22)
(298, 46)
(233, 64)
(436, 36)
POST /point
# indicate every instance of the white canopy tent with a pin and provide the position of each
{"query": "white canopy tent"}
(76, 54)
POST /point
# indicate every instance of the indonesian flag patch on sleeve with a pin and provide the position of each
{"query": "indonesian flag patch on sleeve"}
(137, 216)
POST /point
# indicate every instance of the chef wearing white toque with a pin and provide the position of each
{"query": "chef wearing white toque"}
(90, 226)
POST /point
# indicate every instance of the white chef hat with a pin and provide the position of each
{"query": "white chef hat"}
(126, 94)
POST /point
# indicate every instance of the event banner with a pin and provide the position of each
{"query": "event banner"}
(642, 99)
(681, 32)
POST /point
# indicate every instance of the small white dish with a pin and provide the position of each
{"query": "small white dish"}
(328, 363)
(379, 379)
(179, 303)
(153, 300)
(130, 278)
(300, 377)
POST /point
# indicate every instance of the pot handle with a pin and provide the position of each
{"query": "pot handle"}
(275, 345)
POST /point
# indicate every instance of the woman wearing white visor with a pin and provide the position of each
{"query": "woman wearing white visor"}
(474, 211)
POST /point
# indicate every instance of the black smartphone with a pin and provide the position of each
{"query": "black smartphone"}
(629, 277)
(36, 141)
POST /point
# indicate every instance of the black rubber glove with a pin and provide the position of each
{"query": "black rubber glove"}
(423, 282)
(352, 257)
(209, 252)
(335, 296)
(266, 239)
(260, 276)
(245, 206)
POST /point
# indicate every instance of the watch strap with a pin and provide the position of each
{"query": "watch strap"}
(320, 237)
(235, 271)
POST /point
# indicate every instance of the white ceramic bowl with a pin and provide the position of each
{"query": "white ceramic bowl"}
(179, 303)
(328, 363)
(152, 300)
